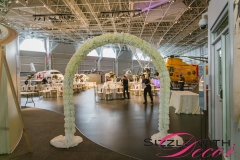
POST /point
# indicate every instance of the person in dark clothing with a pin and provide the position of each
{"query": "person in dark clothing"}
(26, 82)
(147, 89)
(44, 81)
(125, 87)
(181, 83)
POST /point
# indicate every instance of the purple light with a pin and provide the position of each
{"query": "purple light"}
(156, 82)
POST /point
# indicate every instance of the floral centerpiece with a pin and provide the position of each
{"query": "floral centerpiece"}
(112, 75)
(76, 78)
(30, 77)
(60, 79)
(80, 78)
(83, 78)
(135, 78)
(147, 71)
(55, 76)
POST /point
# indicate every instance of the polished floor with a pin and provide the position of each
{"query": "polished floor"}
(123, 125)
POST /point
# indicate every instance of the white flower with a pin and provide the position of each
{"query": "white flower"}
(104, 39)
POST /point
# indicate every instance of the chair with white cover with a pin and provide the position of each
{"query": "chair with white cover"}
(54, 92)
(95, 90)
(100, 92)
(108, 94)
(24, 88)
(37, 89)
(60, 91)
(131, 90)
(136, 90)
(119, 93)
(47, 92)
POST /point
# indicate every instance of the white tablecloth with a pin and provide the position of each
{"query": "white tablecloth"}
(185, 102)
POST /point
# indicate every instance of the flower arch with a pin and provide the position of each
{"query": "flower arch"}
(124, 38)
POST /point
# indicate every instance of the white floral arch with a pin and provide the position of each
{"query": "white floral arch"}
(124, 38)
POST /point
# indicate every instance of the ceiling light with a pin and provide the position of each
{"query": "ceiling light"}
(16, 1)
(26, 1)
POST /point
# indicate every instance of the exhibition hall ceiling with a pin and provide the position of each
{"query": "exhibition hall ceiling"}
(170, 25)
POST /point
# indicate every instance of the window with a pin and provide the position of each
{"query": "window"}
(223, 24)
(109, 53)
(93, 53)
(35, 45)
(171, 69)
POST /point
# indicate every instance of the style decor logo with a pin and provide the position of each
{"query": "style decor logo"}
(189, 147)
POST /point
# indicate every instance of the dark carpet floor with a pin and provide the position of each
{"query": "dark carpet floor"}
(42, 126)
(119, 125)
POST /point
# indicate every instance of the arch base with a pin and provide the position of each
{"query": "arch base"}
(61, 142)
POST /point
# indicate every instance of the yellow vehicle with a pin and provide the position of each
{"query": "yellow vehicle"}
(177, 67)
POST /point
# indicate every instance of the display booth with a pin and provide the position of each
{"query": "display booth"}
(94, 78)
(11, 121)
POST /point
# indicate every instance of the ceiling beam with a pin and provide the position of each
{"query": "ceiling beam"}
(107, 5)
(94, 14)
(77, 11)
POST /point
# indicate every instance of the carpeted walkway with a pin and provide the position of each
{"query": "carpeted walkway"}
(42, 126)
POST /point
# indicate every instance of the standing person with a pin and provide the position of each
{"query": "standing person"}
(125, 86)
(26, 82)
(182, 81)
(44, 81)
(147, 89)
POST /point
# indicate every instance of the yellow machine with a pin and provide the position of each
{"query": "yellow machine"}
(177, 67)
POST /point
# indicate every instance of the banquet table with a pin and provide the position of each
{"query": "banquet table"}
(185, 102)
(110, 88)
(31, 97)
